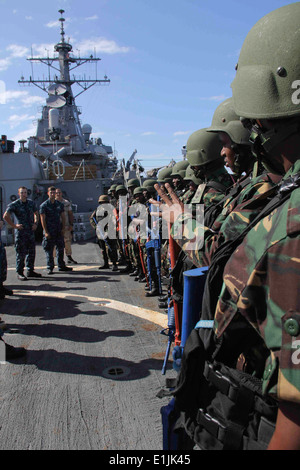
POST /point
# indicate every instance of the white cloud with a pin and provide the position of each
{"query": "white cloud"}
(5, 63)
(42, 49)
(56, 23)
(91, 18)
(182, 133)
(32, 100)
(214, 98)
(102, 45)
(23, 98)
(11, 95)
(31, 131)
(53, 24)
(17, 51)
(148, 133)
(16, 119)
(28, 18)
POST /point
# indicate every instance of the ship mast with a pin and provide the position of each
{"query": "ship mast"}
(63, 48)
(60, 124)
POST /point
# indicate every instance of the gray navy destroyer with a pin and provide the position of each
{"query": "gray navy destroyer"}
(62, 151)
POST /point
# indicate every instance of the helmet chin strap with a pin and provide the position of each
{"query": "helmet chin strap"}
(263, 142)
(242, 157)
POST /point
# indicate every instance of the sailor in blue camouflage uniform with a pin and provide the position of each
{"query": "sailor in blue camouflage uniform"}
(26, 217)
(52, 219)
(3, 268)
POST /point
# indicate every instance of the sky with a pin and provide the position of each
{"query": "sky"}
(170, 64)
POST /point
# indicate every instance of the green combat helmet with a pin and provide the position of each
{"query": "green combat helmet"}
(226, 120)
(133, 183)
(190, 176)
(179, 169)
(266, 85)
(112, 188)
(138, 190)
(103, 198)
(121, 188)
(164, 175)
(148, 185)
(269, 58)
(203, 148)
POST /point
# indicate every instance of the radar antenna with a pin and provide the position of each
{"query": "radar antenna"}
(64, 67)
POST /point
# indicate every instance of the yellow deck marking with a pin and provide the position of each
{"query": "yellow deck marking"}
(145, 314)
(79, 267)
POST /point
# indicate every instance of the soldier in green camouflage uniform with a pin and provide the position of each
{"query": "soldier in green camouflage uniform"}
(107, 243)
(203, 154)
(242, 203)
(192, 184)
(262, 278)
(150, 196)
(164, 177)
(135, 242)
(256, 325)
(177, 175)
(132, 184)
(122, 240)
(112, 194)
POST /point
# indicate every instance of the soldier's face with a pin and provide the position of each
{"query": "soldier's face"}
(58, 194)
(176, 182)
(51, 194)
(22, 194)
(227, 153)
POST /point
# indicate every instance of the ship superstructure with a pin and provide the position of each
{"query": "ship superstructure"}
(63, 152)
(66, 147)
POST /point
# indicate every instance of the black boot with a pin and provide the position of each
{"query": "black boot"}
(163, 298)
(153, 292)
(105, 266)
(134, 273)
(4, 291)
(126, 270)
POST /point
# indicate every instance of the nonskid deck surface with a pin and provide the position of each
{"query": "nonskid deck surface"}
(93, 364)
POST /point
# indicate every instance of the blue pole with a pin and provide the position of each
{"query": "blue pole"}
(193, 289)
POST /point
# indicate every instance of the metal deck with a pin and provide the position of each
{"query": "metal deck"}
(94, 358)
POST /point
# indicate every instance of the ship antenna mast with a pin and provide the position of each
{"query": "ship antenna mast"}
(66, 64)
(61, 19)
